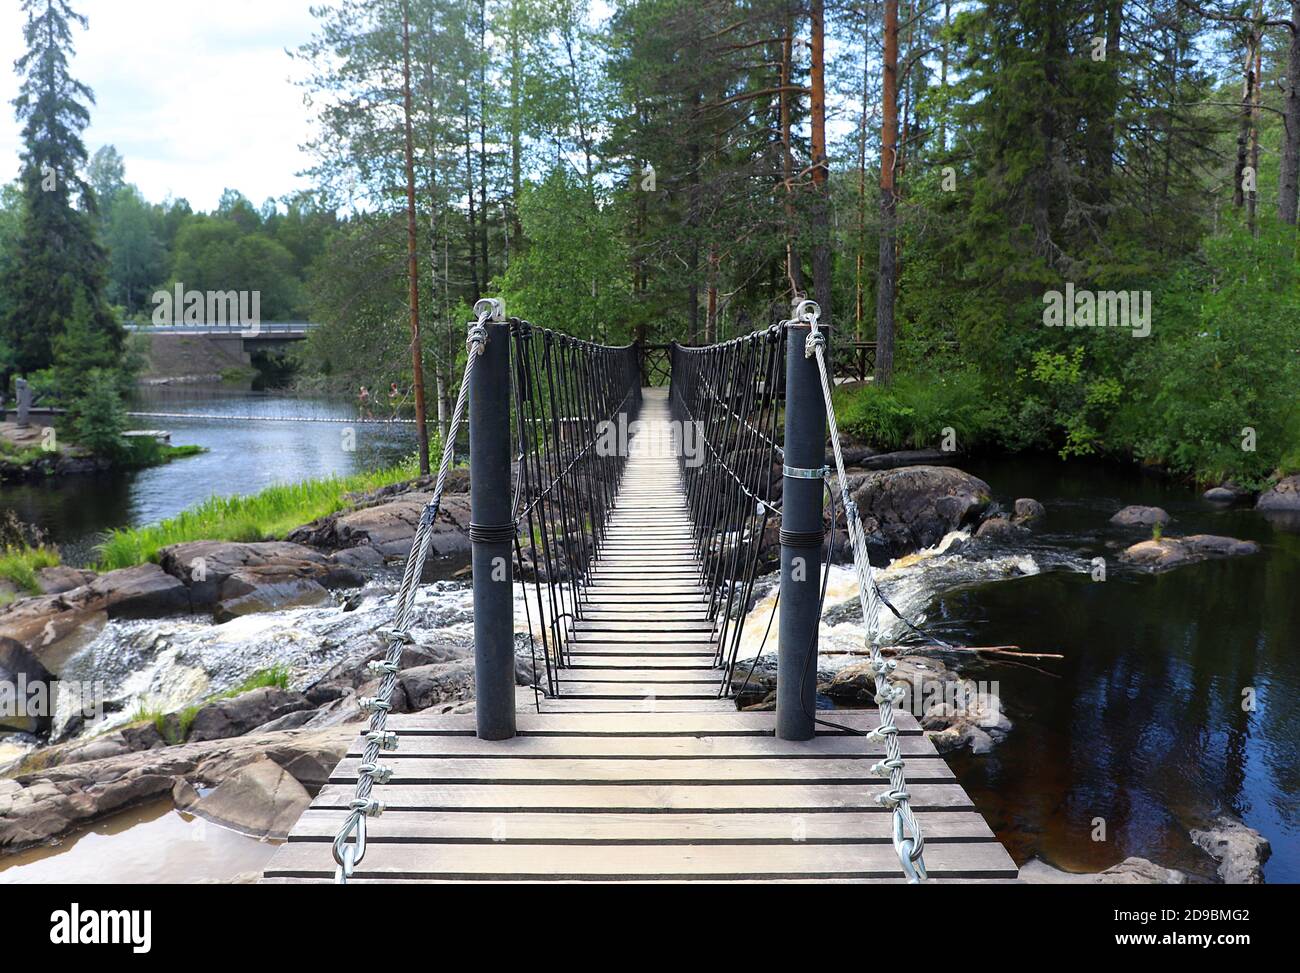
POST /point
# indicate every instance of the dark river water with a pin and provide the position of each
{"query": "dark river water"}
(244, 455)
(1143, 723)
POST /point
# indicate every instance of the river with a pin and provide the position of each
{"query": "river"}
(244, 455)
(1140, 728)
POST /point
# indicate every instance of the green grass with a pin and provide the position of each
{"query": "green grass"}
(278, 676)
(18, 565)
(267, 515)
(10, 453)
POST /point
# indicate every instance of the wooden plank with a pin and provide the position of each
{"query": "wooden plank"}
(662, 704)
(578, 689)
(757, 772)
(590, 660)
(632, 862)
(626, 674)
(644, 724)
(660, 627)
(645, 798)
(604, 828)
(840, 745)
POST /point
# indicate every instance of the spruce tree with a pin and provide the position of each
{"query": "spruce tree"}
(57, 259)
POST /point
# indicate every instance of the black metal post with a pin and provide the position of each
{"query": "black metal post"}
(801, 540)
(491, 533)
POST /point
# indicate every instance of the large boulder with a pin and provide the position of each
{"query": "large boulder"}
(1000, 530)
(904, 510)
(261, 799)
(57, 580)
(26, 690)
(1240, 850)
(1282, 496)
(1027, 509)
(49, 621)
(68, 792)
(1139, 516)
(1175, 552)
(247, 711)
(239, 579)
(388, 528)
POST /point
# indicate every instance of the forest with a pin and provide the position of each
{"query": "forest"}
(941, 177)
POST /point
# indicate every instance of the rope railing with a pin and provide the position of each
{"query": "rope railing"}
(569, 395)
(729, 394)
(735, 394)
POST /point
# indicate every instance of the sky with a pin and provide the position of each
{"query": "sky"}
(197, 95)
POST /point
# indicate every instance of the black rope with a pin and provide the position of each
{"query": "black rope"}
(729, 394)
(565, 392)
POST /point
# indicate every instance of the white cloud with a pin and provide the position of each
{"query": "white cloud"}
(197, 95)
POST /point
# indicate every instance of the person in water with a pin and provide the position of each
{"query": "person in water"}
(363, 401)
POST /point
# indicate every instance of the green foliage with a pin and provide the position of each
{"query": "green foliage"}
(267, 515)
(23, 552)
(100, 418)
(57, 262)
(915, 411)
(575, 273)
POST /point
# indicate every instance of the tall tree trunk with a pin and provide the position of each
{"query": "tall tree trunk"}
(1288, 195)
(482, 141)
(1243, 128)
(475, 291)
(413, 259)
(1253, 198)
(515, 233)
(859, 287)
(793, 263)
(821, 263)
(888, 202)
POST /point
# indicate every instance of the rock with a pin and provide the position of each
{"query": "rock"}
(1131, 871)
(143, 736)
(1283, 495)
(55, 581)
(1027, 509)
(239, 714)
(389, 527)
(144, 591)
(262, 799)
(272, 596)
(1137, 516)
(67, 793)
(897, 460)
(906, 509)
(1219, 495)
(238, 579)
(1175, 552)
(289, 721)
(1000, 530)
(1239, 849)
(26, 690)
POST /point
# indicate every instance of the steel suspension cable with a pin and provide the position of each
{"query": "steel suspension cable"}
(909, 841)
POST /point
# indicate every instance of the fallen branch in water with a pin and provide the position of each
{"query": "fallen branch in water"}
(996, 651)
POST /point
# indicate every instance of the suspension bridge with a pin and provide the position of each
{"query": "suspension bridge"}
(633, 521)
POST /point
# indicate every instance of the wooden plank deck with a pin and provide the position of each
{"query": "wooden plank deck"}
(638, 771)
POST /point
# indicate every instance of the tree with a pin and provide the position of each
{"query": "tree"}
(57, 257)
(888, 275)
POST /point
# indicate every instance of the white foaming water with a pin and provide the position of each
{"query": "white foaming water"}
(910, 583)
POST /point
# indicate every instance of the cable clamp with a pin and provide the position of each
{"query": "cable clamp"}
(801, 473)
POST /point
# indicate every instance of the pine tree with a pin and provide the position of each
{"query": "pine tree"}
(58, 257)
